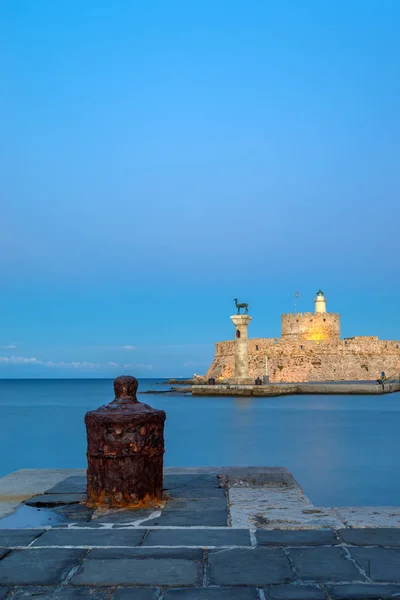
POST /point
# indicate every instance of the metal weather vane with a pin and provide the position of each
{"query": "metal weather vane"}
(296, 295)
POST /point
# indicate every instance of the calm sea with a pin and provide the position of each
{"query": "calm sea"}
(343, 450)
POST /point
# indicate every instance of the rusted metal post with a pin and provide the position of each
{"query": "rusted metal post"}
(125, 450)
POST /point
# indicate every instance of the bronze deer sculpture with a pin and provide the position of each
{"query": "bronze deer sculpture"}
(242, 305)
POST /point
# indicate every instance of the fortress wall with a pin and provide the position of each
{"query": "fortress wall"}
(223, 364)
(331, 367)
(310, 326)
(225, 348)
(304, 360)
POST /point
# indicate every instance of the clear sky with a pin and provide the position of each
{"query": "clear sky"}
(158, 159)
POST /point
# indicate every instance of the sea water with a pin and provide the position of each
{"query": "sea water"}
(343, 450)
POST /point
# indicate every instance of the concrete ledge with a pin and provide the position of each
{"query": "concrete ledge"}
(284, 389)
(25, 483)
(245, 390)
(348, 388)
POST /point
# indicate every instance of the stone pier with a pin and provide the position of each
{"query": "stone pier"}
(222, 533)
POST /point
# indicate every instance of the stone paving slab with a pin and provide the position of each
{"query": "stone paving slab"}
(195, 492)
(191, 480)
(380, 564)
(30, 517)
(28, 482)
(74, 512)
(12, 538)
(122, 517)
(288, 537)
(294, 592)
(212, 594)
(371, 537)
(278, 507)
(324, 565)
(357, 591)
(369, 516)
(76, 484)
(38, 567)
(55, 499)
(186, 553)
(207, 517)
(136, 594)
(197, 537)
(284, 519)
(148, 571)
(274, 496)
(90, 537)
(60, 593)
(190, 504)
(255, 566)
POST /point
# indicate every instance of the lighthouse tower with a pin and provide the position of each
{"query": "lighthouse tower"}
(320, 302)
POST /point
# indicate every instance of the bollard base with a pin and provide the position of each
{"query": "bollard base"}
(122, 483)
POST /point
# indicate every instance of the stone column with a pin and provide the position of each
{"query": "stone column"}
(241, 323)
(266, 376)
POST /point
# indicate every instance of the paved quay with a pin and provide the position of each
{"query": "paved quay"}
(221, 533)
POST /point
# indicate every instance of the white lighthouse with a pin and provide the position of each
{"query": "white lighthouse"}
(320, 302)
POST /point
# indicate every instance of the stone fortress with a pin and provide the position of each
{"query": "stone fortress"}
(310, 349)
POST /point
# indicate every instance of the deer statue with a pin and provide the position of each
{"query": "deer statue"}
(242, 305)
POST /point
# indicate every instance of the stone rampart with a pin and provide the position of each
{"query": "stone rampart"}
(310, 326)
(292, 360)
(223, 365)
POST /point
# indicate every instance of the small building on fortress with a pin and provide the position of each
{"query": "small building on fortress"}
(310, 349)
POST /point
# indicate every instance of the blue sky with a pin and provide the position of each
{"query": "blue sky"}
(159, 158)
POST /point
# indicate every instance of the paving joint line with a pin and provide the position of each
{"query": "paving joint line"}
(206, 579)
(340, 538)
(357, 566)
(146, 533)
(228, 508)
(325, 590)
(110, 593)
(291, 564)
(36, 538)
(261, 593)
(253, 539)
(74, 570)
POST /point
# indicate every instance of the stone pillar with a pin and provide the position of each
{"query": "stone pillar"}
(266, 376)
(125, 451)
(241, 323)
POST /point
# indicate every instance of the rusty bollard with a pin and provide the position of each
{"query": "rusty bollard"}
(125, 450)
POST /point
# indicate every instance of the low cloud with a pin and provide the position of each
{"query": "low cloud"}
(23, 360)
(128, 348)
(84, 365)
(131, 366)
(11, 347)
